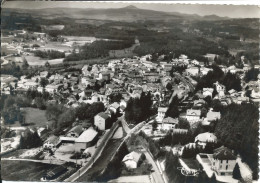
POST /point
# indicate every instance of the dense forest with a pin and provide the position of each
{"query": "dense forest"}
(238, 130)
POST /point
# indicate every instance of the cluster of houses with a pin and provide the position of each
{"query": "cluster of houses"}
(82, 136)
(131, 77)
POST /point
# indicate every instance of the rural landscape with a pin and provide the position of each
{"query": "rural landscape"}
(128, 94)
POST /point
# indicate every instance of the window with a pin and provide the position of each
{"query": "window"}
(227, 161)
(220, 166)
(226, 167)
(222, 173)
(221, 161)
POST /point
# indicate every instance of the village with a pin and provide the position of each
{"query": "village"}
(77, 117)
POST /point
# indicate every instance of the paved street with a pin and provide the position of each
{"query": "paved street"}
(157, 177)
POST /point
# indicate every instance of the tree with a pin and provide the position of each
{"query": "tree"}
(236, 172)
(173, 110)
(39, 102)
(115, 97)
(66, 119)
(44, 82)
(213, 179)
(232, 81)
(53, 111)
(183, 124)
(251, 75)
(47, 64)
(169, 86)
(154, 125)
(81, 111)
(30, 140)
(137, 109)
(25, 64)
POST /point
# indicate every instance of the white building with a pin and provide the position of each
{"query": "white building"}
(193, 115)
(213, 116)
(102, 121)
(86, 139)
(220, 89)
(52, 88)
(161, 113)
(207, 92)
(51, 142)
(222, 162)
(132, 160)
(193, 71)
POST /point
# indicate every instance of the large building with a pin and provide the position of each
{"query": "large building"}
(222, 162)
(87, 139)
(102, 121)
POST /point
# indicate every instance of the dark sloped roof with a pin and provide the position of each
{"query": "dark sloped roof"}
(103, 115)
(223, 153)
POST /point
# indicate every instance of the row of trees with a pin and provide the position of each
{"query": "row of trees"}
(49, 54)
(137, 109)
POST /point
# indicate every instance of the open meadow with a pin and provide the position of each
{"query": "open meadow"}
(23, 170)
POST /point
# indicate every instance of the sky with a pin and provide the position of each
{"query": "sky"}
(232, 11)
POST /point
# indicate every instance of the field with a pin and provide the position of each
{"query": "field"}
(56, 46)
(35, 117)
(33, 61)
(23, 170)
(6, 51)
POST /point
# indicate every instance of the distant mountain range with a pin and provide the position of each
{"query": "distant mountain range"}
(128, 13)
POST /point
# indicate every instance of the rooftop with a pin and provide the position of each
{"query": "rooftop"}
(103, 115)
(87, 136)
(224, 153)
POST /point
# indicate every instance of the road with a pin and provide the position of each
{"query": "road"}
(101, 162)
(5, 61)
(55, 162)
(157, 176)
